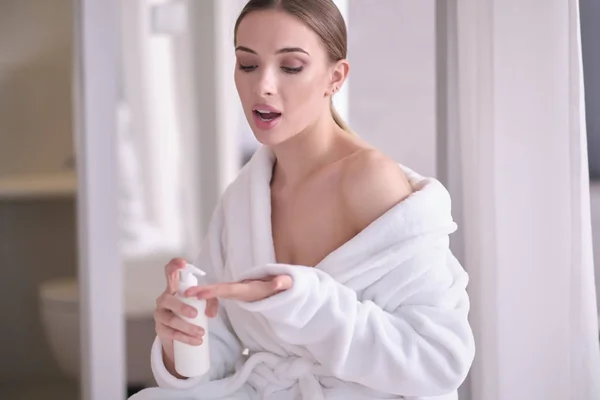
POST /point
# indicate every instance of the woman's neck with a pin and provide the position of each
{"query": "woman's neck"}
(305, 153)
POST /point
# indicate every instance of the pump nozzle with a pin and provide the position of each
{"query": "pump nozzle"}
(187, 276)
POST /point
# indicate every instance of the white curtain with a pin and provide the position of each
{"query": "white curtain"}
(524, 189)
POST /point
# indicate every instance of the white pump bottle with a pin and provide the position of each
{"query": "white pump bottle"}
(192, 361)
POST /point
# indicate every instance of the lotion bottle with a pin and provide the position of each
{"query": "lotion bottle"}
(192, 361)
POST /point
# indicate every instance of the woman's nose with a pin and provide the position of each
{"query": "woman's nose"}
(266, 85)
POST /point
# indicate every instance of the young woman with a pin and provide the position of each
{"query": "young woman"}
(328, 261)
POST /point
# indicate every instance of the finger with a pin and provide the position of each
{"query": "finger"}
(176, 323)
(232, 291)
(222, 287)
(172, 303)
(171, 270)
(166, 332)
(210, 291)
(266, 287)
(195, 290)
(282, 282)
(247, 290)
(212, 307)
(262, 289)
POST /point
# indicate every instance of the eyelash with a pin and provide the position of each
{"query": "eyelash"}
(289, 70)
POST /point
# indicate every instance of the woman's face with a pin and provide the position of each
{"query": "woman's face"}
(283, 75)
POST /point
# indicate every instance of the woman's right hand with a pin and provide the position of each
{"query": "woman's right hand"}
(169, 326)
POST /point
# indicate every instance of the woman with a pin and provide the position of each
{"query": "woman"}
(329, 262)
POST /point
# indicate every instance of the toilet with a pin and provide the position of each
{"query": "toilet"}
(59, 306)
(59, 303)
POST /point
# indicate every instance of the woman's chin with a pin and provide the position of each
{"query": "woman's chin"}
(269, 138)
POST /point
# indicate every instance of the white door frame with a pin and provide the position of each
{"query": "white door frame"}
(448, 164)
(100, 271)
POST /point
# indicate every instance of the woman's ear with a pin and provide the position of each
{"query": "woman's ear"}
(338, 76)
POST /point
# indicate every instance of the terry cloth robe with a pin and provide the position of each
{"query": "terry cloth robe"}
(384, 316)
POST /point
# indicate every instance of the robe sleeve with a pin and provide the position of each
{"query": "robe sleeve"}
(225, 347)
(405, 334)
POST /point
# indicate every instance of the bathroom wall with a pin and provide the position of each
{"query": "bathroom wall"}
(392, 80)
(595, 216)
(37, 243)
(37, 237)
(35, 85)
(590, 31)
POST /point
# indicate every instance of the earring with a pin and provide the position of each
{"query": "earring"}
(335, 89)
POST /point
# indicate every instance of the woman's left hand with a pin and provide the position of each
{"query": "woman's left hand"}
(248, 290)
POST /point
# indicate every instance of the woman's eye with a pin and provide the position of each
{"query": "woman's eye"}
(291, 70)
(247, 68)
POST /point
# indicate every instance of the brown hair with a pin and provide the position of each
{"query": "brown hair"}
(323, 17)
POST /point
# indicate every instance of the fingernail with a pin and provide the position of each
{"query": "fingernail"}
(191, 312)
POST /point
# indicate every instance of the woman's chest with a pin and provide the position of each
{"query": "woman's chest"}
(308, 228)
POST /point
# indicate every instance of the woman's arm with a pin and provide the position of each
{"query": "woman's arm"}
(225, 347)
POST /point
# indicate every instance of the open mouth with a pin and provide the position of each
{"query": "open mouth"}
(267, 115)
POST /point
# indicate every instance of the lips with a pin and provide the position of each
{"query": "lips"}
(265, 116)
(266, 112)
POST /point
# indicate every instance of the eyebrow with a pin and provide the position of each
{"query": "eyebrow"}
(280, 51)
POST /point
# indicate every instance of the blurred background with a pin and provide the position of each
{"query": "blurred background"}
(181, 137)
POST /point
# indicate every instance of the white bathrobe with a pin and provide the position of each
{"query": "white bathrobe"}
(384, 316)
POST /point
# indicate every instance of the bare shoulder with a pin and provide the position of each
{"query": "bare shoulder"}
(371, 184)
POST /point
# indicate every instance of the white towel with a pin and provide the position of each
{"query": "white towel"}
(384, 316)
